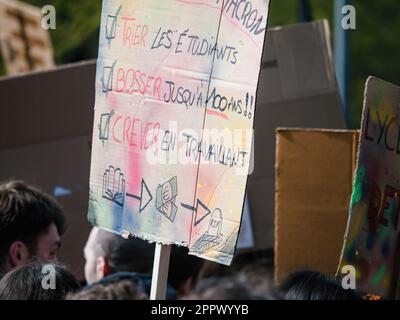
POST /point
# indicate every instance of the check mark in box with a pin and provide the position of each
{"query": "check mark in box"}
(104, 127)
(107, 81)
(111, 27)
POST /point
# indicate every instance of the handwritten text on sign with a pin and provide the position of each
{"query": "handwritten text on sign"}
(372, 240)
(175, 100)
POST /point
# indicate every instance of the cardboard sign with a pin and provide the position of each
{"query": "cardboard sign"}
(297, 89)
(246, 235)
(57, 158)
(24, 44)
(372, 238)
(175, 97)
(314, 174)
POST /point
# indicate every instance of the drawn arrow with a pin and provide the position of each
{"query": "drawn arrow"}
(144, 198)
(200, 210)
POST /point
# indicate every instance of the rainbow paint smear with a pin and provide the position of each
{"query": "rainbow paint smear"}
(176, 87)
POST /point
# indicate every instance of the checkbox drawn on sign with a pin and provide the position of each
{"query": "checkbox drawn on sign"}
(107, 79)
(111, 25)
(104, 126)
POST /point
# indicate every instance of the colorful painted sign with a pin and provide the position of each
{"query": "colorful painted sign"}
(175, 97)
(372, 239)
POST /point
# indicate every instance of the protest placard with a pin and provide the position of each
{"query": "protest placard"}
(175, 103)
(314, 174)
(372, 237)
(298, 89)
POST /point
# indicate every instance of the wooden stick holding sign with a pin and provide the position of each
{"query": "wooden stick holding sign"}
(159, 279)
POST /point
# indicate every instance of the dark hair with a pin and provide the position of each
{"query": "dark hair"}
(125, 255)
(122, 290)
(237, 286)
(26, 213)
(136, 255)
(183, 266)
(26, 283)
(311, 285)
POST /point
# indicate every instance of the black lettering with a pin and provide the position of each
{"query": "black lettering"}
(366, 136)
(382, 126)
(392, 121)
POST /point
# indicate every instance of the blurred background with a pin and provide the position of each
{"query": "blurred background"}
(372, 47)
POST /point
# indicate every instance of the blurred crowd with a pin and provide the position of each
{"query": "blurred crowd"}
(31, 227)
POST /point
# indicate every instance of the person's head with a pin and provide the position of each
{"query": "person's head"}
(311, 285)
(37, 281)
(237, 286)
(31, 224)
(107, 253)
(184, 271)
(122, 290)
(220, 288)
(250, 276)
